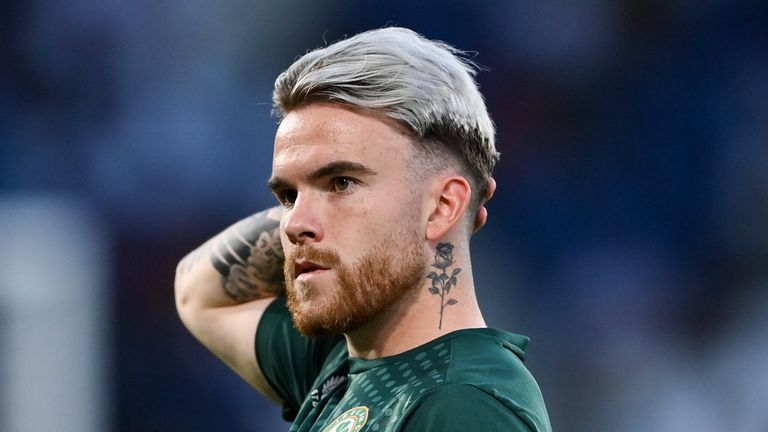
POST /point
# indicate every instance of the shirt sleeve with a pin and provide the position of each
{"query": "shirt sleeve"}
(289, 361)
(461, 408)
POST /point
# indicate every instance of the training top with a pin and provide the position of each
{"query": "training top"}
(467, 380)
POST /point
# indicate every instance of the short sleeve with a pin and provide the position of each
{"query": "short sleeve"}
(461, 408)
(289, 361)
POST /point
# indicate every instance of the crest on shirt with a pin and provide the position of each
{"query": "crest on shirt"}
(351, 420)
(327, 388)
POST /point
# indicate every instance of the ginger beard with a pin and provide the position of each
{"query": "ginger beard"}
(361, 292)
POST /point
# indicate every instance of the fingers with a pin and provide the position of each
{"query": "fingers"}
(491, 189)
(480, 218)
(482, 212)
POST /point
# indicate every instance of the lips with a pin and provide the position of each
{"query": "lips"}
(307, 267)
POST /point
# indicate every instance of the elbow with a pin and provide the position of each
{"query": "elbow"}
(185, 306)
(181, 291)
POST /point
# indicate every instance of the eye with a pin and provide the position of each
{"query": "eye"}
(287, 197)
(342, 184)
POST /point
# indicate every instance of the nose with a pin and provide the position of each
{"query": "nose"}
(301, 222)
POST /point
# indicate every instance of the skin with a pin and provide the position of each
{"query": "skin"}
(223, 311)
(223, 287)
(370, 192)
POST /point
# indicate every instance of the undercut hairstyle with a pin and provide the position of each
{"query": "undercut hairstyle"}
(428, 87)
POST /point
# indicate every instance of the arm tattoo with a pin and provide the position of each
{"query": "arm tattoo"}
(250, 258)
(442, 282)
(247, 255)
(193, 258)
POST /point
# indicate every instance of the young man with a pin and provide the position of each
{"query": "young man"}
(382, 165)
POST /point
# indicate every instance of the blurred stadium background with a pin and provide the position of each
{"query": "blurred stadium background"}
(628, 236)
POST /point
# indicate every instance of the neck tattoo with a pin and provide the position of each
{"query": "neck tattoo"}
(442, 282)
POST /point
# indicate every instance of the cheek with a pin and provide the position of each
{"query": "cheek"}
(359, 223)
(370, 228)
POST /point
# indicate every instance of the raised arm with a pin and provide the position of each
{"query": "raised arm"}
(223, 287)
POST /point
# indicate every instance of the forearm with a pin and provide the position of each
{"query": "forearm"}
(240, 264)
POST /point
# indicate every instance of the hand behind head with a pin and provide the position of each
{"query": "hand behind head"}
(482, 212)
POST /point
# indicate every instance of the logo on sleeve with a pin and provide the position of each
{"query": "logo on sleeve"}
(351, 420)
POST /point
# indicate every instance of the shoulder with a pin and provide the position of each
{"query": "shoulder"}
(490, 358)
(290, 362)
(487, 372)
(461, 407)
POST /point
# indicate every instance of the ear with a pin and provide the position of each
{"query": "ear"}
(452, 197)
(482, 212)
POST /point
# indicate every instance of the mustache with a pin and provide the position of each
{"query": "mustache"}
(324, 257)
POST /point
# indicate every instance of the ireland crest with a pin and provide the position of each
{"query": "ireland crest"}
(351, 420)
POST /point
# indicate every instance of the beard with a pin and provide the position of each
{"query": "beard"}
(361, 292)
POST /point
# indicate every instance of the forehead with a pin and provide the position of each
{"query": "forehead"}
(319, 133)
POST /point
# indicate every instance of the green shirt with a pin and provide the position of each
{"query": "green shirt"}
(471, 379)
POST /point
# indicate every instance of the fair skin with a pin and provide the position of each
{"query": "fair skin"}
(321, 135)
(345, 179)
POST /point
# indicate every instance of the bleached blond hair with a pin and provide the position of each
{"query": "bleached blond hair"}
(426, 86)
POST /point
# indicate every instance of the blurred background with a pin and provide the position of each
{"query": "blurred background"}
(628, 236)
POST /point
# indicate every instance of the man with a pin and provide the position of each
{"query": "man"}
(382, 165)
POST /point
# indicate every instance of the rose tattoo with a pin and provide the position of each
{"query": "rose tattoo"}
(442, 282)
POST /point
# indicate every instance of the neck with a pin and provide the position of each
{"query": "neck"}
(426, 313)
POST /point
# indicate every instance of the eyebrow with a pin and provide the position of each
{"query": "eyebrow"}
(340, 167)
(332, 168)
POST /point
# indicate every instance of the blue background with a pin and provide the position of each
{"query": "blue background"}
(628, 235)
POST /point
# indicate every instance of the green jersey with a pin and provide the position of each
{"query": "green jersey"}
(471, 379)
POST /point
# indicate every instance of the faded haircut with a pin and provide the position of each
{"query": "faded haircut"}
(426, 86)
